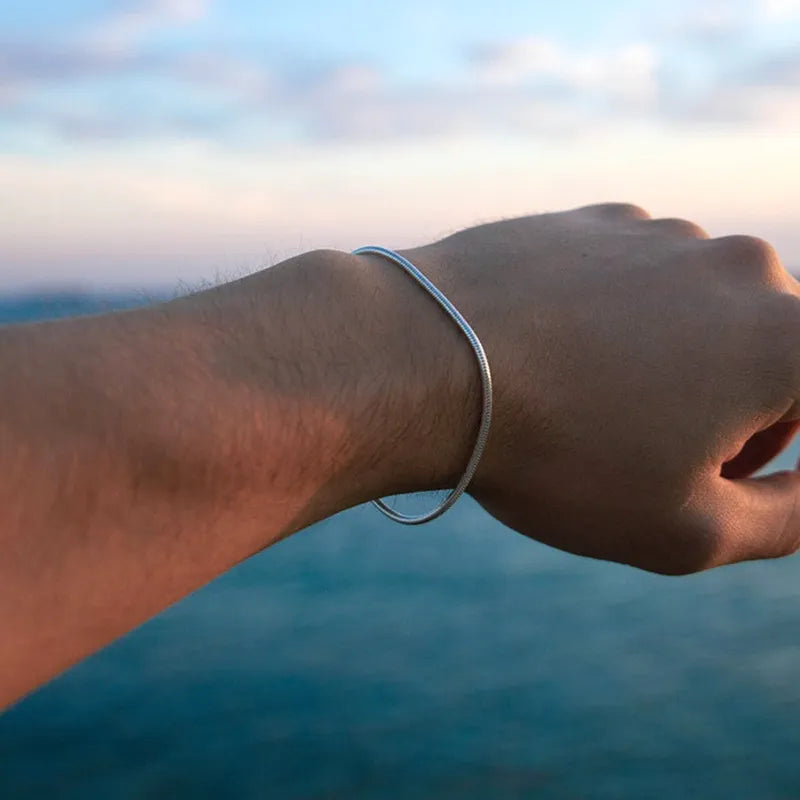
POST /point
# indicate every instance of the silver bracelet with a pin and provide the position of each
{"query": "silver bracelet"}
(486, 380)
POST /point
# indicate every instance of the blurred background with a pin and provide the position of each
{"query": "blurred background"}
(151, 145)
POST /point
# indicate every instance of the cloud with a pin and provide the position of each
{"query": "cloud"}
(710, 25)
(442, 113)
(763, 92)
(529, 86)
(132, 21)
(525, 85)
(217, 71)
(26, 62)
(778, 70)
(95, 125)
(752, 106)
(780, 9)
(109, 47)
(627, 72)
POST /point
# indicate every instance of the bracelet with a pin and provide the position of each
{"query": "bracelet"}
(486, 381)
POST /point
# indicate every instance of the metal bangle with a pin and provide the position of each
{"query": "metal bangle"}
(486, 381)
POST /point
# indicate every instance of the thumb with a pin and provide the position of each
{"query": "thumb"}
(761, 448)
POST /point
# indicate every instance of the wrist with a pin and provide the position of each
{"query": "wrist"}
(393, 383)
(365, 387)
(430, 381)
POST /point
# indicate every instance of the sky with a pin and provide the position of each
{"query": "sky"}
(156, 142)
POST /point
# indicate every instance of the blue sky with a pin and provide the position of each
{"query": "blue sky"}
(166, 140)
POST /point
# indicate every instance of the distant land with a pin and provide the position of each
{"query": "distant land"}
(26, 306)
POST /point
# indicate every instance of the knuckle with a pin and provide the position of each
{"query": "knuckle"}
(688, 544)
(679, 569)
(781, 316)
(680, 227)
(698, 538)
(752, 255)
(790, 547)
(772, 336)
(621, 210)
(678, 564)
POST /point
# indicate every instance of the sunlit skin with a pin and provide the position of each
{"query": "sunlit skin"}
(643, 372)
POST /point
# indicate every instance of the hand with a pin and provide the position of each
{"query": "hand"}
(642, 373)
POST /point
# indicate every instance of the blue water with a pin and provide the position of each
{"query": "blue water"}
(360, 659)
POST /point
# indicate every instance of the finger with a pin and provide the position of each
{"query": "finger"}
(751, 519)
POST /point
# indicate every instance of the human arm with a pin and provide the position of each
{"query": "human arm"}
(145, 452)
(142, 453)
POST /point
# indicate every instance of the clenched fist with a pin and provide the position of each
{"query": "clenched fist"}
(642, 373)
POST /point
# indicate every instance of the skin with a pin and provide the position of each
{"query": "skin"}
(643, 372)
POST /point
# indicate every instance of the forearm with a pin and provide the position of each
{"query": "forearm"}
(143, 453)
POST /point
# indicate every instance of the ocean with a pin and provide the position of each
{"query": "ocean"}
(360, 659)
